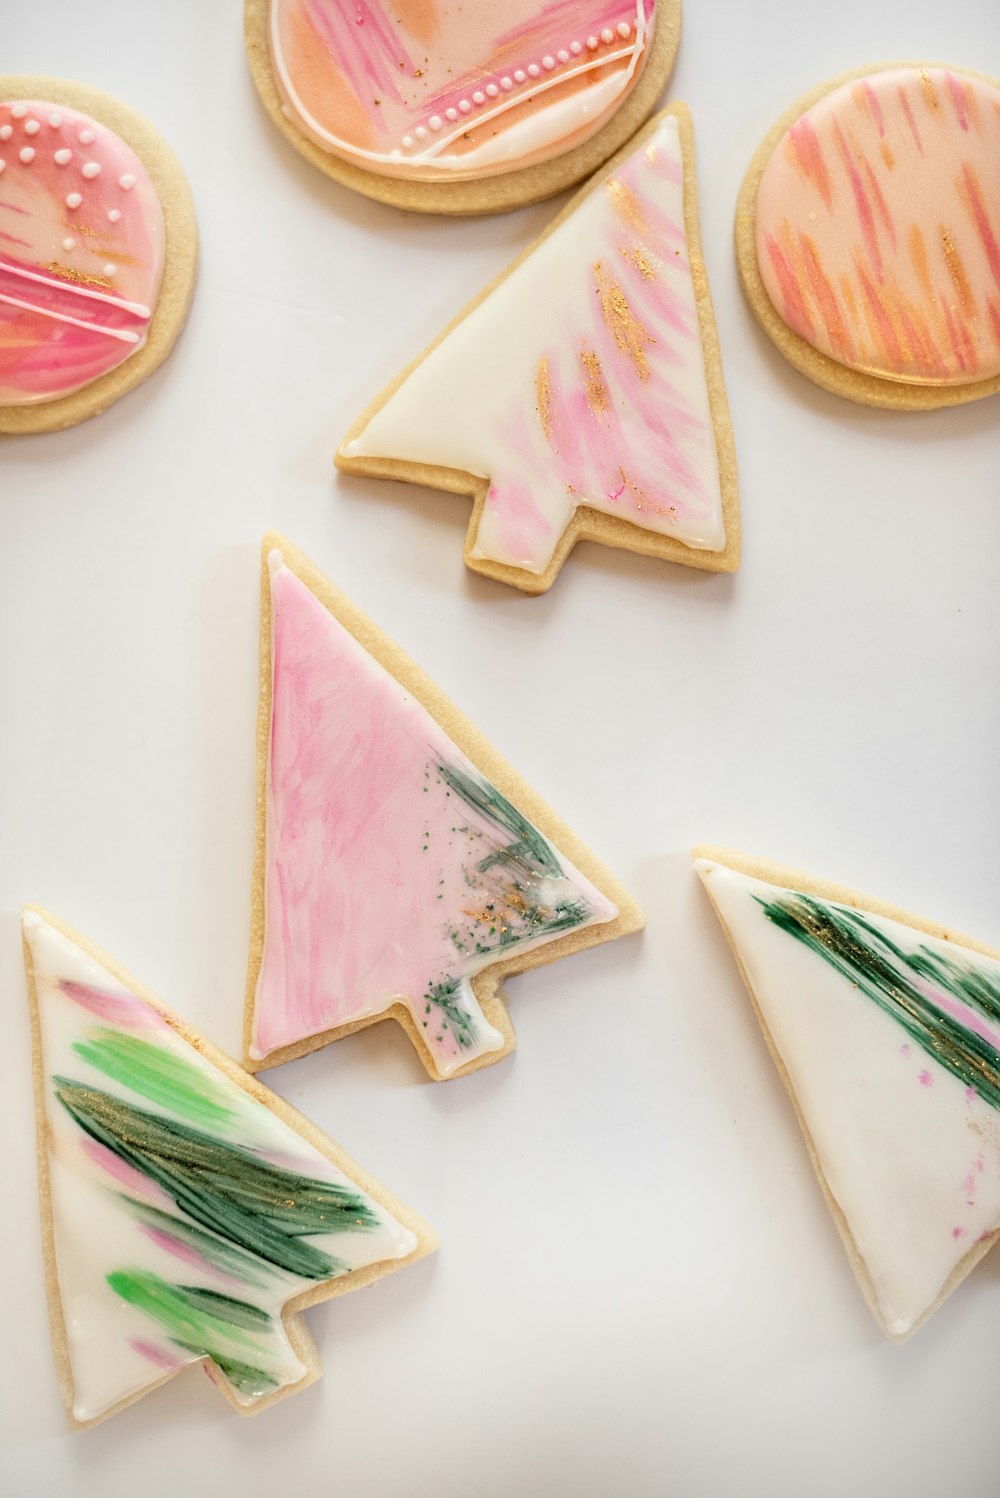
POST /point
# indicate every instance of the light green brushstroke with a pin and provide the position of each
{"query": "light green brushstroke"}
(233, 1333)
(161, 1076)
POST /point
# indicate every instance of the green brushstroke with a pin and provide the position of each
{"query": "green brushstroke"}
(262, 1208)
(873, 963)
(219, 1253)
(452, 1011)
(527, 846)
(233, 1333)
(161, 1076)
(504, 887)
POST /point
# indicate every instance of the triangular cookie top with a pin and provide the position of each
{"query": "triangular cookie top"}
(581, 395)
(402, 866)
(887, 1033)
(184, 1206)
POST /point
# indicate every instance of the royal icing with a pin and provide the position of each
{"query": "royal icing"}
(878, 226)
(394, 871)
(81, 251)
(184, 1212)
(891, 1042)
(426, 89)
(580, 380)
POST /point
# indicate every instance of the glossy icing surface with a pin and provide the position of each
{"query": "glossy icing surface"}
(394, 870)
(878, 226)
(891, 1041)
(429, 88)
(81, 251)
(185, 1213)
(579, 380)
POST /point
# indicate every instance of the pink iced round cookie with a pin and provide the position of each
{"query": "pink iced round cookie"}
(81, 251)
(98, 252)
(426, 93)
(875, 234)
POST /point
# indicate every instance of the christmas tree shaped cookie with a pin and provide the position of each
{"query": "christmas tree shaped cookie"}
(402, 868)
(581, 395)
(886, 1031)
(188, 1213)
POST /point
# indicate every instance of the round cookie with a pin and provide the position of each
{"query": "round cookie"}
(449, 108)
(98, 252)
(868, 235)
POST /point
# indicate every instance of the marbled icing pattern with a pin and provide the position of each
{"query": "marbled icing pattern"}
(81, 251)
(878, 226)
(394, 870)
(580, 380)
(185, 1213)
(427, 89)
(891, 1042)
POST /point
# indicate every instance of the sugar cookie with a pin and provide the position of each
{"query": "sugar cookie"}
(460, 108)
(188, 1214)
(580, 396)
(868, 236)
(885, 1029)
(403, 869)
(98, 251)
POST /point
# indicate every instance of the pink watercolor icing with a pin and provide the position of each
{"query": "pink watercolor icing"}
(593, 391)
(375, 889)
(421, 89)
(81, 251)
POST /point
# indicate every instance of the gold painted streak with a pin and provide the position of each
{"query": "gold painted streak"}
(631, 335)
(639, 260)
(928, 90)
(78, 275)
(627, 206)
(543, 397)
(594, 385)
(956, 270)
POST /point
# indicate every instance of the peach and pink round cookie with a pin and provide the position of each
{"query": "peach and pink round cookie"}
(449, 107)
(868, 236)
(97, 252)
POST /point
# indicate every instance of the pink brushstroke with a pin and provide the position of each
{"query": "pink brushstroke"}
(158, 1356)
(122, 1010)
(131, 1180)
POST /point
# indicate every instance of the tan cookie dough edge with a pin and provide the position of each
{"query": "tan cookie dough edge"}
(488, 984)
(793, 879)
(587, 524)
(866, 389)
(298, 1333)
(180, 261)
(497, 194)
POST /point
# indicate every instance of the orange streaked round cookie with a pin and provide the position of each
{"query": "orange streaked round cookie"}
(445, 107)
(868, 235)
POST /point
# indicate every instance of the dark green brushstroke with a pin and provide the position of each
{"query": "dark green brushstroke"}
(203, 1323)
(221, 1254)
(504, 885)
(159, 1075)
(870, 960)
(527, 845)
(453, 1013)
(262, 1208)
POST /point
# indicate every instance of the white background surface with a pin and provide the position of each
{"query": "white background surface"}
(639, 1291)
